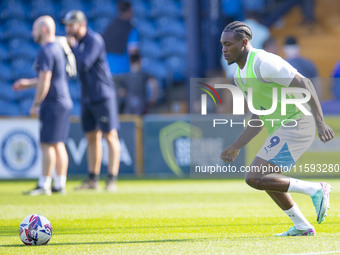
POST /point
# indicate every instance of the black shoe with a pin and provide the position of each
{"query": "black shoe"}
(61, 191)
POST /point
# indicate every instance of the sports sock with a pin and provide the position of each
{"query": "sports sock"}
(111, 177)
(300, 222)
(63, 181)
(93, 177)
(304, 187)
(60, 181)
(45, 182)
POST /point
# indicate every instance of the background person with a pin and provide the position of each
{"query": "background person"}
(121, 40)
(52, 103)
(99, 116)
(135, 87)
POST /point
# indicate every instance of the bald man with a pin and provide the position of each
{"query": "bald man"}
(53, 104)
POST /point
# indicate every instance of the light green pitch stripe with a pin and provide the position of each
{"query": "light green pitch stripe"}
(209, 94)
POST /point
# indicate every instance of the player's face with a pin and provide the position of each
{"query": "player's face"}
(72, 29)
(231, 47)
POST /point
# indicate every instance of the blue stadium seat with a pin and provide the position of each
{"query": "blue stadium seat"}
(90, 24)
(5, 72)
(22, 68)
(15, 9)
(26, 94)
(167, 8)
(18, 29)
(23, 49)
(141, 9)
(66, 5)
(25, 106)
(42, 7)
(2, 31)
(102, 8)
(147, 28)
(151, 49)
(74, 88)
(7, 93)
(3, 52)
(155, 68)
(177, 67)
(60, 29)
(9, 108)
(100, 24)
(76, 110)
(173, 46)
(171, 27)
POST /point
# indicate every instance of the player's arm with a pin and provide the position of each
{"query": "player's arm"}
(231, 152)
(24, 84)
(325, 133)
(43, 86)
(85, 59)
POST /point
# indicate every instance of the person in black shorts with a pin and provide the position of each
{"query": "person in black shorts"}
(52, 103)
(99, 115)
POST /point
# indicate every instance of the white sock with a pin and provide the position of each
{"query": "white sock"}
(300, 222)
(304, 187)
(45, 182)
(60, 181)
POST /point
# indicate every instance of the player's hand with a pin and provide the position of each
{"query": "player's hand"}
(325, 133)
(34, 111)
(230, 153)
(71, 40)
(20, 84)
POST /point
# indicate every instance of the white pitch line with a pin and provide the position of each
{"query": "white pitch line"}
(316, 253)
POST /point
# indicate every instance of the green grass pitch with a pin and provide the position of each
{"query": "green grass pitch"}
(165, 217)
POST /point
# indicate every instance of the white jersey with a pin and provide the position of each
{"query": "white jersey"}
(269, 68)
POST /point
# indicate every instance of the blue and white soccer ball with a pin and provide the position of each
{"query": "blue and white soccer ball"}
(35, 230)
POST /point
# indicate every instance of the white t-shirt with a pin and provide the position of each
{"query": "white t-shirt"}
(269, 68)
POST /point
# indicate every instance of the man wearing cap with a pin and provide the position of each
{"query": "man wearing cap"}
(99, 116)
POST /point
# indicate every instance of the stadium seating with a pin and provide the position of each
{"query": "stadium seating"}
(5, 72)
(102, 8)
(19, 48)
(74, 88)
(141, 9)
(76, 108)
(160, 23)
(7, 93)
(17, 28)
(147, 29)
(41, 7)
(3, 52)
(15, 9)
(22, 68)
(9, 108)
(151, 48)
(25, 105)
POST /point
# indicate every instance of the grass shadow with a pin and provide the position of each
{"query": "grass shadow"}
(119, 242)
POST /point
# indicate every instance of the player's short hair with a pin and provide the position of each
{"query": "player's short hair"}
(123, 6)
(240, 30)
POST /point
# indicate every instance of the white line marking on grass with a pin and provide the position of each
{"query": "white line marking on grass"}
(316, 253)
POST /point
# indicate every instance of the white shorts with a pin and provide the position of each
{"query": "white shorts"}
(287, 144)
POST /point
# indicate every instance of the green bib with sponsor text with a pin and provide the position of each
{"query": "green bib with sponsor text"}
(262, 98)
